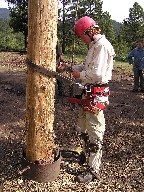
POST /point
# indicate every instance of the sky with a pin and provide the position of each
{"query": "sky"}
(118, 9)
(3, 4)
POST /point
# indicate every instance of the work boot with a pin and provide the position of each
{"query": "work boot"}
(87, 177)
(84, 178)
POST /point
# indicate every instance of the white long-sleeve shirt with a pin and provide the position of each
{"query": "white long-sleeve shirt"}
(99, 62)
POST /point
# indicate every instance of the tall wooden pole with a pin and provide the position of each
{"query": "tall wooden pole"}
(40, 90)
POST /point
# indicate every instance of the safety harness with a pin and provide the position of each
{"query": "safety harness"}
(88, 100)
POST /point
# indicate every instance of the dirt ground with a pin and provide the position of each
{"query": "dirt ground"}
(122, 163)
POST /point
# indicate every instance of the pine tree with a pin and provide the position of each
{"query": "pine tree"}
(75, 9)
(133, 27)
(19, 16)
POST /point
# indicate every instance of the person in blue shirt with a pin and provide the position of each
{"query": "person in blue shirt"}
(136, 58)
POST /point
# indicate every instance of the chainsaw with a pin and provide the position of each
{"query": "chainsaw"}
(54, 74)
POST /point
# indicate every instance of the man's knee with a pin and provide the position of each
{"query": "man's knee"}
(93, 147)
(89, 146)
(85, 137)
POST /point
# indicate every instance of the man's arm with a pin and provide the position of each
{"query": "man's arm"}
(130, 57)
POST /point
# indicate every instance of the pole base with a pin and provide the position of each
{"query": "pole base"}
(41, 172)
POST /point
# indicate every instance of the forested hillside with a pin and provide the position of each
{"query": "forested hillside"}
(9, 40)
(4, 13)
(117, 26)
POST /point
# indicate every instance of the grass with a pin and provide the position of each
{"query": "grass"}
(78, 59)
(124, 66)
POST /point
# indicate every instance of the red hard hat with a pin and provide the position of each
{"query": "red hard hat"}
(83, 24)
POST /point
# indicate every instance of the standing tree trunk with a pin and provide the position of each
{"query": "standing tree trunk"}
(63, 29)
(40, 90)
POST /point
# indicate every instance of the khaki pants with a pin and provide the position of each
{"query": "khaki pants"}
(94, 126)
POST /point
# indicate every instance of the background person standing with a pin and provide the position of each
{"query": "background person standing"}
(136, 58)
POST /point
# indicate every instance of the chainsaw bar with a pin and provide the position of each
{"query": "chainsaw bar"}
(50, 73)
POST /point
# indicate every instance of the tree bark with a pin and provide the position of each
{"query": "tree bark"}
(40, 90)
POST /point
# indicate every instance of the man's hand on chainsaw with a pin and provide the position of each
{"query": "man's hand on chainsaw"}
(61, 67)
(64, 66)
(76, 74)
